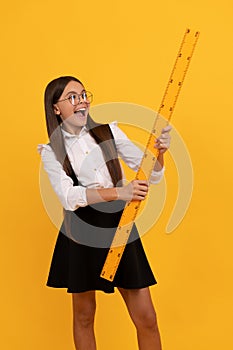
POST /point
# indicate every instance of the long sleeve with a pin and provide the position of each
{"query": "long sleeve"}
(71, 197)
(89, 165)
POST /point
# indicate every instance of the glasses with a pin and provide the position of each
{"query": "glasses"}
(75, 99)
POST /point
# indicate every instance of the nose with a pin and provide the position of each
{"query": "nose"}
(83, 100)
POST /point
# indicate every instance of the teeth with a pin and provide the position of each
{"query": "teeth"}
(80, 110)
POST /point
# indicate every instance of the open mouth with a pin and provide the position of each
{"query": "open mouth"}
(81, 110)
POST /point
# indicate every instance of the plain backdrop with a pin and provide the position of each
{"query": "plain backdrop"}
(123, 52)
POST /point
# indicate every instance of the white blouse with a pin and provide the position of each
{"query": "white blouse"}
(89, 165)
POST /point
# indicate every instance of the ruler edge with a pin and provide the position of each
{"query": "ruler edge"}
(123, 246)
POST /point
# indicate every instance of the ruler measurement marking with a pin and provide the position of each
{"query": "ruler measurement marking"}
(148, 161)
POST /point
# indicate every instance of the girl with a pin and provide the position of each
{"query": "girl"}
(83, 166)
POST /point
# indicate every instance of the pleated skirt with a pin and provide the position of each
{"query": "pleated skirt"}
(82, 246)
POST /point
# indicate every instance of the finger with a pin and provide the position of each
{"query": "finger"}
(166, 129)
(163, 140)
(164, 136)
(140, 189)
(143, 190)
(159, 145)
(141, 195)
(141, 182)
(160, 148)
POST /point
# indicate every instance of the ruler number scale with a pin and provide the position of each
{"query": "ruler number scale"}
(165, 110)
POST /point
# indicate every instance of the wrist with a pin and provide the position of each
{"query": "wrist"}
(118, 192)
(159, 163)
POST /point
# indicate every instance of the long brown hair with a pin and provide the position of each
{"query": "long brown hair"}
(100, 132)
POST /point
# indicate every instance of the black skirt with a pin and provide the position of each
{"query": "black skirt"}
(82, 247)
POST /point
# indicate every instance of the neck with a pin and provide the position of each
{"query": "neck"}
(75, 130)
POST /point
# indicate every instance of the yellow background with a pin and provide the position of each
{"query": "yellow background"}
(122, 51)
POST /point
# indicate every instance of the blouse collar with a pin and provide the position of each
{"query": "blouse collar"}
(68, 135)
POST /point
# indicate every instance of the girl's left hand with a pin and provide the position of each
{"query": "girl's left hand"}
(162, 143)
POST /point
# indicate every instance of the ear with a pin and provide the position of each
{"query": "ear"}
(56, 110)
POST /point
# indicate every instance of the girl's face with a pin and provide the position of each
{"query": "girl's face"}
(73, 107)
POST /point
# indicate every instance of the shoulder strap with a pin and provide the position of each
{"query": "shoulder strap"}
(103, 133)
(109, 152)
(73, 175)
(71, 170)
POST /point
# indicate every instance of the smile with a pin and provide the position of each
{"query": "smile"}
(81, 110)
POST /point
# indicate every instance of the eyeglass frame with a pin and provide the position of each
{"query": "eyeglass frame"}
(79, 100)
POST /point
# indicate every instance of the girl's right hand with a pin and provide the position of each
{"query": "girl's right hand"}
(136, 190)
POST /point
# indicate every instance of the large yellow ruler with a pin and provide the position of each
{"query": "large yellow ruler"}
(162, 119)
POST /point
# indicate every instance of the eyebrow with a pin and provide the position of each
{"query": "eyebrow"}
(74, 92)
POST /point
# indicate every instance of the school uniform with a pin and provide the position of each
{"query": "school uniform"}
(87, 231)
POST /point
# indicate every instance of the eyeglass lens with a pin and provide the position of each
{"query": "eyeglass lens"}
(75, 98)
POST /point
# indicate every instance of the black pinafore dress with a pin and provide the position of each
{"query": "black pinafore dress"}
(82, 246)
